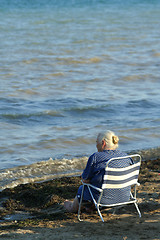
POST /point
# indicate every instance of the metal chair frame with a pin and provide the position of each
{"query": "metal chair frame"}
(134, 183)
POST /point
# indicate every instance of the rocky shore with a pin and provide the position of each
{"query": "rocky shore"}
(35, 211)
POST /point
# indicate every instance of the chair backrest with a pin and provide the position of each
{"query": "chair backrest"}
(117, 178)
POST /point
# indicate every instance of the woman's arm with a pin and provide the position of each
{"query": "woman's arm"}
(88, 171)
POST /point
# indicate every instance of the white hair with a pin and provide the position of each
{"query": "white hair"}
(110, 138)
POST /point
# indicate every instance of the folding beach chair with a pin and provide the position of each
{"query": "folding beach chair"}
(116, 187)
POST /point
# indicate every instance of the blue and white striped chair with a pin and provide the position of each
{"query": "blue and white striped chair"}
(116, 187)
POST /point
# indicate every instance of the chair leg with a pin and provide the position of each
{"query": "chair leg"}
(114, 210)
(79, 217)
(136, 205)
(80, 204)
(100, 213)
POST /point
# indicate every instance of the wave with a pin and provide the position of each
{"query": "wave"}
(28, 115)
(40, 111)
(20, 107)
(139, 77)
(41, 171)
(69, 61)
(50, 169)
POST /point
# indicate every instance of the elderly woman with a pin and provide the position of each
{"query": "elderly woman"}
(107, 144)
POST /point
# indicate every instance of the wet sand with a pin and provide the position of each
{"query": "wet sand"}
(35, 211)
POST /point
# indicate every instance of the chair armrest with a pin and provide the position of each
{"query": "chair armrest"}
(92, 186)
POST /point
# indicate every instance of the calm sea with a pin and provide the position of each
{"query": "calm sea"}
(68, 70)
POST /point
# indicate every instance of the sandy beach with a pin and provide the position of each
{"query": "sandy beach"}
(35, 211)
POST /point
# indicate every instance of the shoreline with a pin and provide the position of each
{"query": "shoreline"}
(35, 210)
(52, 169)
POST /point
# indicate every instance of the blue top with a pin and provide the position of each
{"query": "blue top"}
(95, 170)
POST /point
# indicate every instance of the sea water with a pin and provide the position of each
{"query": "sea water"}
(70, 69)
